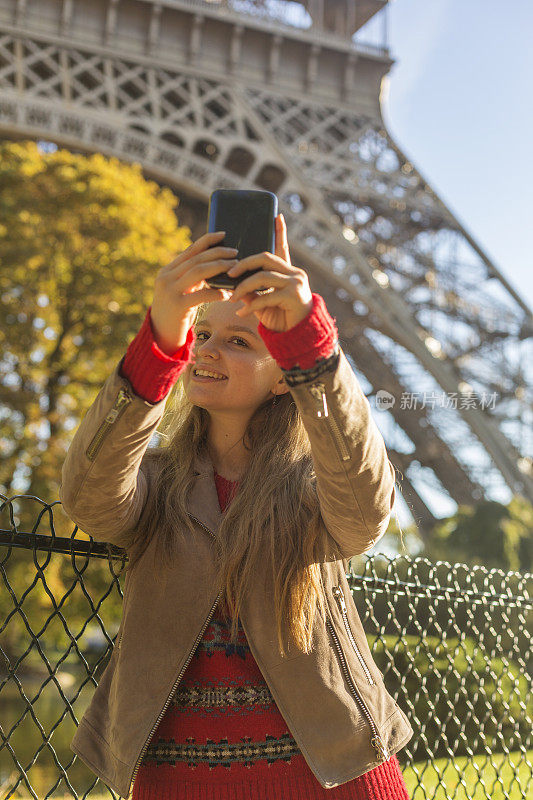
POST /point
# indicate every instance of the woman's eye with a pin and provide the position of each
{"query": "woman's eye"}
(237, 338)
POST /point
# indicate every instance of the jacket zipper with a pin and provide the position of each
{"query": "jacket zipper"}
(339, 596)
(376, 740)
(123, 399)
(318, 391)
(182, 670)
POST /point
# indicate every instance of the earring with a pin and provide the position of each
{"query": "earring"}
(274, 401)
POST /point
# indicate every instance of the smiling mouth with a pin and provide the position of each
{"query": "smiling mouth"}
(210, 377)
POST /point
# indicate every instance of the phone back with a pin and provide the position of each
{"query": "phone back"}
(247, 216)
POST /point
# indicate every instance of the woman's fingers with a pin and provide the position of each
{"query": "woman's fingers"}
(260, 280)
(206, 295)
(200, 260)
(213, 252)
(204, 244)
(202, 272)
(282, 244)
(279, 298)
(265, 259)
(180, 287)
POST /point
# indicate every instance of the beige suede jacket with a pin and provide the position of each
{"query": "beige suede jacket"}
(333, 699)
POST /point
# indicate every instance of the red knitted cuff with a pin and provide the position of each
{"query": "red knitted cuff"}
(313, 338)
(151, 372)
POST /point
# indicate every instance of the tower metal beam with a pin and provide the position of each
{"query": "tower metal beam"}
(206, 95)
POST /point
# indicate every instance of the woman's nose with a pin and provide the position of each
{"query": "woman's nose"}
(207, 347)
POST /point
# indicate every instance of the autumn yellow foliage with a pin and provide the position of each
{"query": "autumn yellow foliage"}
(81, 240)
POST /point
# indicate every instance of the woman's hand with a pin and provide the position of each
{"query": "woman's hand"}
(181, 286)
(290, 299)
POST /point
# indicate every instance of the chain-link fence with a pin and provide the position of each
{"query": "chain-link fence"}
(452, 641)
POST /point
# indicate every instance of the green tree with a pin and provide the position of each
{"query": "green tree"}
(518, 530)
(81, 239)
(489, 533)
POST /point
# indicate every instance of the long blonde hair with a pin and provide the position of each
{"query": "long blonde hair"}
(285, 513)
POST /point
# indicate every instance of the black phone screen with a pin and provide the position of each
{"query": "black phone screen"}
(248, 217)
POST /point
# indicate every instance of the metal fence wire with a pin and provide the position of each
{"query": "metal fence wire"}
(453, 642)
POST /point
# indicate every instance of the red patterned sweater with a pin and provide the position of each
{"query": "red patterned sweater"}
(222, 736)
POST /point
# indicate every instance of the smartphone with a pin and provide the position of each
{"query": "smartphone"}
(249, 219)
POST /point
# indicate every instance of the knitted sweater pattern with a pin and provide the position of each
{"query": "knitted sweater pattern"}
(222, 736)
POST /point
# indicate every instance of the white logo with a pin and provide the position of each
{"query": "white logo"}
(384, 400)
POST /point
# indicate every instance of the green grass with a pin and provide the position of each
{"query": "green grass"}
(506, 778)
(464, 779)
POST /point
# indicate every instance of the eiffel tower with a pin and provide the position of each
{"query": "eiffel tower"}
(285, 96)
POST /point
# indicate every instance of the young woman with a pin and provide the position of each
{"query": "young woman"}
(241, 670)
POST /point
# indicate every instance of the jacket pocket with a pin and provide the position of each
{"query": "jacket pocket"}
(318, 391)
(122, 401)
(341, 602)
(376, 741)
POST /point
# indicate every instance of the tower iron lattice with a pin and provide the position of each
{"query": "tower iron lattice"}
(286, 97)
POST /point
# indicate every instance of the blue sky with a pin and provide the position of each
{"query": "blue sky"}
(459, 104)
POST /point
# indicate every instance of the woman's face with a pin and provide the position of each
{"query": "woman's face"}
(241, 356)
